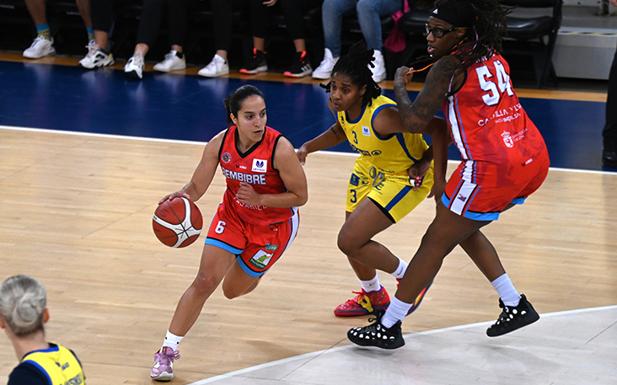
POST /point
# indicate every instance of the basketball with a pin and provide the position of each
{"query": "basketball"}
(177, 222)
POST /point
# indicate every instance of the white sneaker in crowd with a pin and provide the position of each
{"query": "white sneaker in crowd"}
(379, 70)
(39, 48)
(172, 62)
(96, 58)
(217, 67)
(135, 67)
(325, 67)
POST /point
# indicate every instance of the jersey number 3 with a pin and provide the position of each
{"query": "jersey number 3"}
(494, 90)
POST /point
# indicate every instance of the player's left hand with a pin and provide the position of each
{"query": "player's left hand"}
(417, 173)
(269, 3)
(248, 196)
(404, 75)
(439, 186)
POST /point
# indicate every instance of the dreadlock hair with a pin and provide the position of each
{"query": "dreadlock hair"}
(356, 65)
(487, 32)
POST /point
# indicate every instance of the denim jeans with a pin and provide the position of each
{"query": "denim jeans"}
(369, 17)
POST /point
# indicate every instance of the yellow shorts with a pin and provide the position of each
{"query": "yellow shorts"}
(393, 193)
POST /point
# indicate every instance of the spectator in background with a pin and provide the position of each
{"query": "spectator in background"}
(295, 24)
(43, 44)
(146, 36)
(99, 54)
(369, 17)
(23, 312)
(609, 153)
(221, 25)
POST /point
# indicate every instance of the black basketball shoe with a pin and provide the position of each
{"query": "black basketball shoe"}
(377, 335)
(512, 318)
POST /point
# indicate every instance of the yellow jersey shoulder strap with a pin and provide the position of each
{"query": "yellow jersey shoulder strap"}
(58, 364)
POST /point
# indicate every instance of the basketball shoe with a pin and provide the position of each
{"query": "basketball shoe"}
(301, 66)
(41, 46)
(513, 317)
(257, 63)
(364, 303)
(163, 370)
(377, 335)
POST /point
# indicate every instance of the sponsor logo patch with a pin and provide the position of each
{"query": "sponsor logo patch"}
(259, 165)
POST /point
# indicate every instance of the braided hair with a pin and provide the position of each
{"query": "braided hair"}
(356, 65)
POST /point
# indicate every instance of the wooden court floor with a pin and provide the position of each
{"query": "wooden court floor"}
(76, 213)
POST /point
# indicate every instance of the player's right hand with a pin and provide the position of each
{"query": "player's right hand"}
(176, 194)
(302, 153)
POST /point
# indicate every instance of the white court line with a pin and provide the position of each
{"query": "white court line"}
(146, 139)
(407, 336)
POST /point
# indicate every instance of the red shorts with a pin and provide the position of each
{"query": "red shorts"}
(257, 247)
(481, 190)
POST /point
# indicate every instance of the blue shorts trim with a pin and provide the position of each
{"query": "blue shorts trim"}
(401, 194)
(476, 216)
(223, 245)
(247, 269)
(518, 201)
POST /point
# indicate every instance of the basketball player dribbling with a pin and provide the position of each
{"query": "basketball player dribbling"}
(256, 222)
(504, 159)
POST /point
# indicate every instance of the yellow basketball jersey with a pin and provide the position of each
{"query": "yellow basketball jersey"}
(58, 363)
(392, 154)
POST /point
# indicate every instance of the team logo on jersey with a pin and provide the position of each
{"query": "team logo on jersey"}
(261, 259)
(259, 165)
(507, 139)
(226, 157)
(366, 131)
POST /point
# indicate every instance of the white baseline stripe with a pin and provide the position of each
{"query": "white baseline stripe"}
(146, 139)
(409, 335)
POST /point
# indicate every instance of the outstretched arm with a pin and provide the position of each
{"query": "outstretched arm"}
(329, 138)
(417, 115)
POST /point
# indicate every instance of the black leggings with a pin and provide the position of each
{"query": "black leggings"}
(610, 130)
(293, 18)
(221, 14)
(151, 21)
(102, 13)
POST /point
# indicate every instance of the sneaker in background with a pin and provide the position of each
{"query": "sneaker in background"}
(379, 68)
(325, 67)
(257, 63)
(39, 48)
(217, 67)
(135, 67)
(364, 303)
(97, 58)
(162, 369)
(301, 66)
(173, 61)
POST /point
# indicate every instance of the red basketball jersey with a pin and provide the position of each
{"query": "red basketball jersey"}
(486, 119)
(254, 167)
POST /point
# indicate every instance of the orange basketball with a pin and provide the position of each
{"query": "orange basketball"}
(177, 222)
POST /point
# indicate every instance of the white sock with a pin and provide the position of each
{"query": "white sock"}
(371, 285)
(172, 341)
(506, 290)
(400, 270)
(396, 312)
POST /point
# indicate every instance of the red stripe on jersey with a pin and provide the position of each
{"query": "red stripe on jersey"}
(255, 168)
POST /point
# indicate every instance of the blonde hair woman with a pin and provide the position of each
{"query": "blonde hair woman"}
(23, 312)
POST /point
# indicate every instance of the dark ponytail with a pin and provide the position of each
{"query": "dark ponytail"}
(233, 103)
